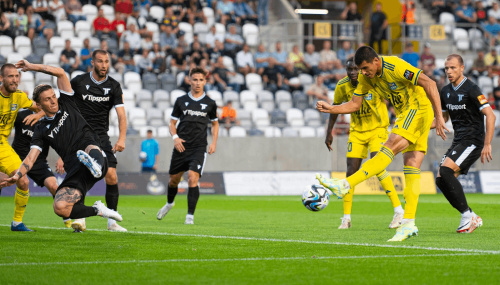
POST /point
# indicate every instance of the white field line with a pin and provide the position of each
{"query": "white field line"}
(478, 251)
(310, 258)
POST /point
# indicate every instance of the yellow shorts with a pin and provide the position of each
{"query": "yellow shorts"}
(360, 142)
(414, 125)
(9, 160)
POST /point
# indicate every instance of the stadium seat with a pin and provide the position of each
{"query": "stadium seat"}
(228, 63)
(245, 118)
(161, 99)
(65, 29)
(42, 78)
(248, 100)
(278, 118)
(294, 117)
(90, 11)
(188, 30)
(153, 27)
(132, 81)
(150, 81)
(83, 29)
(51, 59)
(238, 78)
(157, 13)
(6, 45)
(448, 20)
(144, 99)
(179, 78)
(300, 100)
(271, 132)
(40, 46)
(290, 132)
(167, 115)
(254, 82)
(202, 30)
(216, 96)
(251, 34)
(174, 94)
(283, 100)
(306, 79)
(163, 131)
(260, 118)
(117, 76)
(312, 117)
(320, 132)
(113, 45)
(209, 14)
(76, 73)
(220, 29)
(476, 39)
(128, 95)
(461, 39)
(168, 82)
(56, 45)
(77, 45)
(14, 57)
(484, 82)
(307, 132)
(143, 131)
(237, 132)
(27, 82)
(233, 96)
(155, 117)
(95, 43)
(23, 45)
(109, 12)
(137, 117)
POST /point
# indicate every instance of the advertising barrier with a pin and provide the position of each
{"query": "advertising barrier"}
(490, 182)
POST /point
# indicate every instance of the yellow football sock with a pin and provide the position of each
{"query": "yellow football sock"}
(372, 167)
(21, 200)
(386, 181)
(411, 191)
(347, 201)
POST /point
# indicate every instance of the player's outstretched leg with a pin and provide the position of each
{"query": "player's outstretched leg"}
(112, 195)
(336, 186)
(386, 182)
(171, 193)
(93, 160)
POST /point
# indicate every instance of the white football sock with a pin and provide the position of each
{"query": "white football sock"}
(398, 209)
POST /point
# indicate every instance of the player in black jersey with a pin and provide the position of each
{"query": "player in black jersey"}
(195, 111)
(95, 95)
(465, 104)
(65, 130)
(40, 173)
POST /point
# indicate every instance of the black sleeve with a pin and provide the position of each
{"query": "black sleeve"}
(37, 140)
(74, 83)
(212, 114)
(117, 95)
(176, 112)
(443, 105)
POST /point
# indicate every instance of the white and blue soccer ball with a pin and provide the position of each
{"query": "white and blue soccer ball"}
(315, 198)
(143, 156)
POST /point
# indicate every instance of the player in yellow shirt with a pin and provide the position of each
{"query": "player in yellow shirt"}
(368, 130)
(414, 96)
(11, 100)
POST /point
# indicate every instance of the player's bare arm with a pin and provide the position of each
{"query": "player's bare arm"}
(177, 140)
(490, 129)
(329, 136)
(432, 92)
(23, 169)
(122, 125)
(33, 118)
(60, 166)
(346, 108)
(215, 135)
(63, 83)
(446, 117)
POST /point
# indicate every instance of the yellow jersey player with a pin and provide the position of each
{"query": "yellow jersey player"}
(414, 96)
(368, 130)
(11, 100)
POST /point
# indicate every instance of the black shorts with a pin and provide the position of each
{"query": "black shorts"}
(39, 172)
(464, 154)
(108, 150)
(79, 177)
(191, 159)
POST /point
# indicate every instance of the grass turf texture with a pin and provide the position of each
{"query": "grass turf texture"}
(251, 240)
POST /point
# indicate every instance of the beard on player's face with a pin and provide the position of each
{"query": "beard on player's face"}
(101, 70)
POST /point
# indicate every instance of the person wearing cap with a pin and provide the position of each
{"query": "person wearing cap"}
(411, 56)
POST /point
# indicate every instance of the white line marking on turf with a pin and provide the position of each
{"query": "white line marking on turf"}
(231, 259)
(481, 251)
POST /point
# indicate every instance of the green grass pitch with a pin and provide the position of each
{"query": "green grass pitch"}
(252, 240)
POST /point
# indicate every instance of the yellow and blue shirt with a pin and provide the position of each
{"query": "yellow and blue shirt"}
(9, 105)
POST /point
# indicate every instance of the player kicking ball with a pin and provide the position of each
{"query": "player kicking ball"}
(195, 111)
(465, 104)
(64, 129)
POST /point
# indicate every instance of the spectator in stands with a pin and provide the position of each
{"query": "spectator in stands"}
(225, 11)
(179, 8)
(22, 3)
(261, 59)
(494, 11)
(482, 15)
(342, 126)
(194, 12)
(170, 20)
(291, 78)
(245, 61)
(221, 76)
(102, 27)
(216, 52)
(479, 67)
(328, 55)
(496, 95)
(411, 56)
(133, 38)
(112, 54)
(244, 14)
(5, 25)
(181, 40)
(350, 13)
(157, 56)
(8, 7)
(228, 117)
(147, 42)
(168, 40)
(144, 6)
(151, 147)
(178, 62)
(41, 7)
(56, 9)
(318, 90)
(74, 11)
(37, 26)
(21, 22)
(118, 25)
(465, 13)
(263, 12)
(492, 61)
(492, 30)
(296, 57)
(124, 6)
(145, 64)
(378, 24)
(311, 59)
(280, 56)
(233, 42)
(427, 60)
(408, 15)
(345, 52)
(212, 36)
(126, 60)
(86, 56)
(69, 59)
(272, 78)
(197, 54)
(140, 23)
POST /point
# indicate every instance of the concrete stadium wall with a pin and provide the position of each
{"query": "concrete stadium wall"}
(279, 154)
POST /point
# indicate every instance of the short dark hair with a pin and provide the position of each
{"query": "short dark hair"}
(197, 69)
(349, 59)
(365, 53)
(5, 66)
(150, 131)
(457, 56)
(99, 51)
(39, 90)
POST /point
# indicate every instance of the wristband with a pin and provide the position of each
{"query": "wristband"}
(175, 137)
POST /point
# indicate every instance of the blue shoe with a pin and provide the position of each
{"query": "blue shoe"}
(19, 228)
(336, 186)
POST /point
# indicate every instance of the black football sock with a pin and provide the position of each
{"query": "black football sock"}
(97, 155)
(171, 193)
(455, 192)
(81, 211)
(193, 195)
(112, 196)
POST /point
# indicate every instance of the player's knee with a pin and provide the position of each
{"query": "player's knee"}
(62, 209)
(193, 180)
(446, 173)
(174, 181)
(111, 179)
(23, 183)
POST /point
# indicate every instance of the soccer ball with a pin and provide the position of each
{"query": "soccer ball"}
(143, 156)
(315, 198)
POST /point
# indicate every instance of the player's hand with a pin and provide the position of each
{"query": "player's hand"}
(32, 119)
(178, 144)
(24, 65)
(440, 127)
(211, 149)
(60, 166)
(323, 106)
(486, 153)
(328, 141)
(6, 182)
(119, 146)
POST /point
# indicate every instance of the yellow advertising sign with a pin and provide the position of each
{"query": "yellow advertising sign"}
(323, 30)
(372, 186)
(436, 33)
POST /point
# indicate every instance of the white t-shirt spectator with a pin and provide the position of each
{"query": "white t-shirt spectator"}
(243, 59)
(495, 14)
(210, 39)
